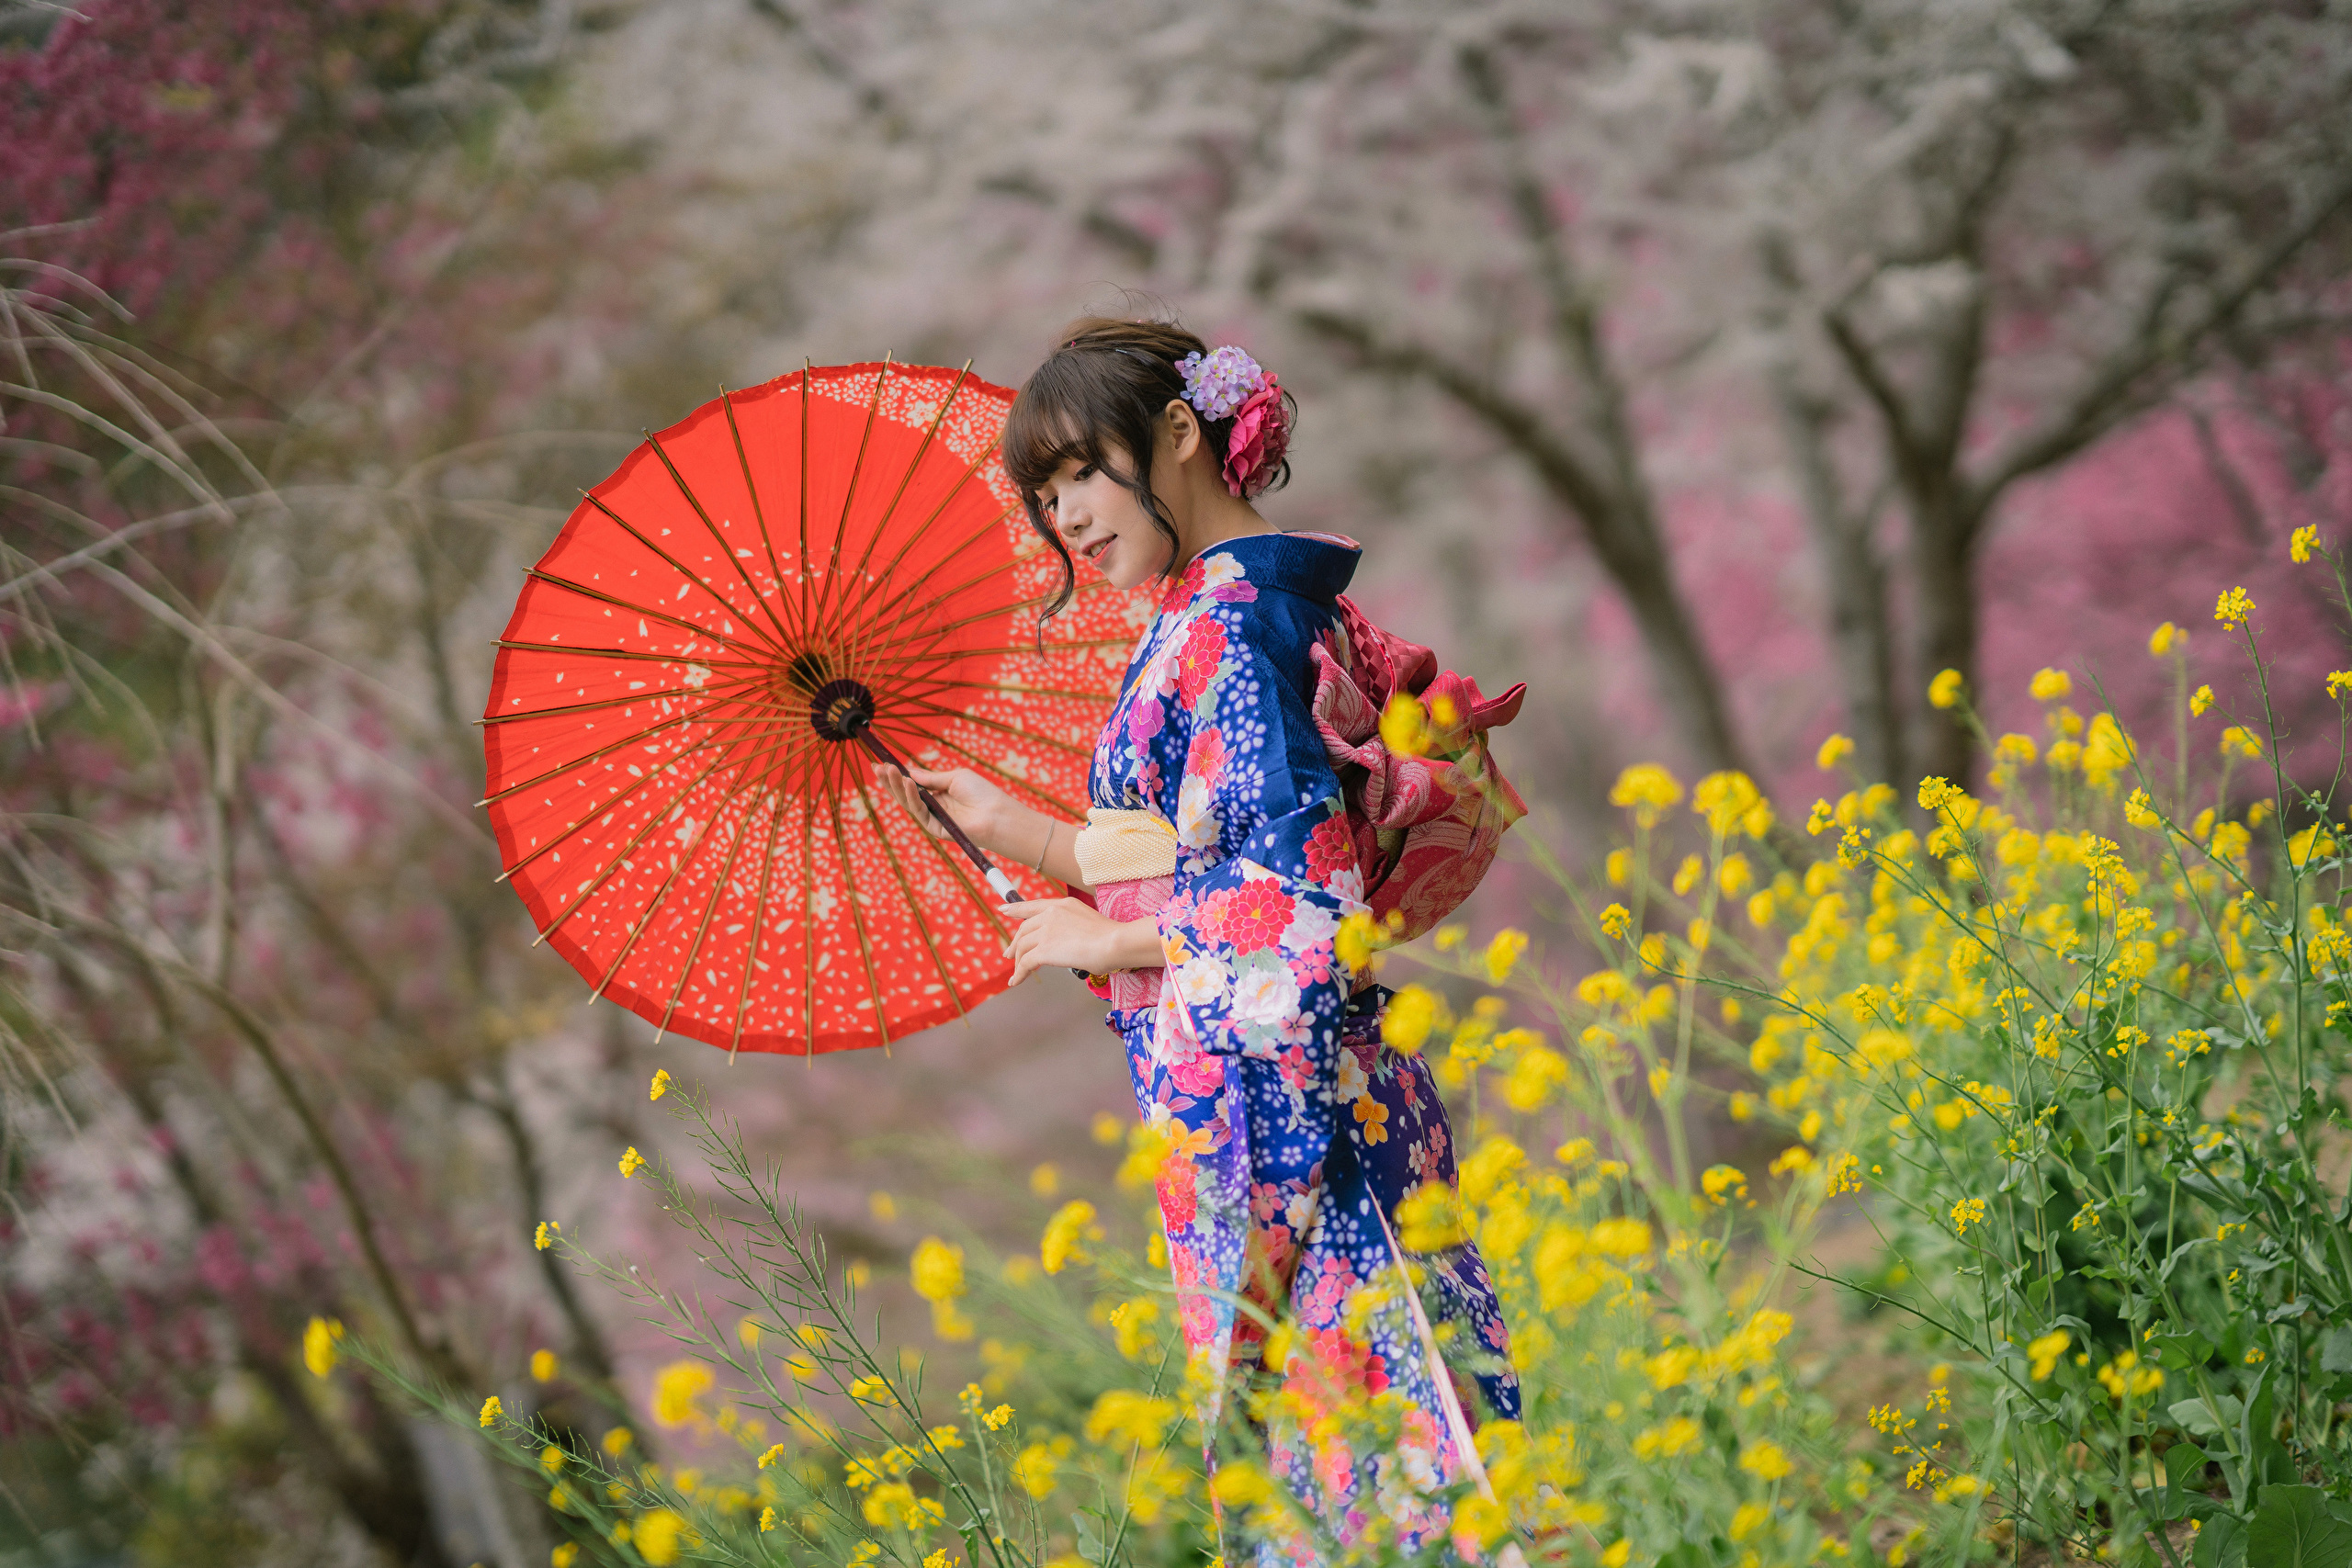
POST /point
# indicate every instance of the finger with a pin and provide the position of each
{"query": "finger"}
(932, 779)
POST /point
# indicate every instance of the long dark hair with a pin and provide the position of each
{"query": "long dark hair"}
(1104, 387)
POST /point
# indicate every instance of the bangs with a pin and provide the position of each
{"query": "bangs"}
(1050, 424)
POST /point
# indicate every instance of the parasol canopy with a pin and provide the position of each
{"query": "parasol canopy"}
(684, 703)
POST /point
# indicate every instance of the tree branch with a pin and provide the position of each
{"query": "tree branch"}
(2107, 397)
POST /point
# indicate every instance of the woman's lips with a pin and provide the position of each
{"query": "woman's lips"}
(1094, 553)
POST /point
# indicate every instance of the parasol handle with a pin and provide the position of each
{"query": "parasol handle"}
(996, 879)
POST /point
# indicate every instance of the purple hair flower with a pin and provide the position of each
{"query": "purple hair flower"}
(1218, 383)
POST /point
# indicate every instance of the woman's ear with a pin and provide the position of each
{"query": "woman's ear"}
(1181, 428)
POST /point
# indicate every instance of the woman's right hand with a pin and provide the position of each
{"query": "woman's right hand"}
(996, 822)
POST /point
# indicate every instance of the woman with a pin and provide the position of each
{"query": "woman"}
(1219, 863)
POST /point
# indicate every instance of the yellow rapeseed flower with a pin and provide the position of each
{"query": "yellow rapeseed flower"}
(2048, 685)
(631, 1161)
(1429, 1219)
(1766, 1462)
(318, 1336)
(768, 1519)
(544, 1237)
(616, 1441)
(1726, 800)
(2167, 638)
(544, 1366)
(937, 1270)
(661, 1084)
(1967, 1211)
(1646, 790)
(2046, 1350)
(2139, 813)
(1834, 750)
(1413, 1011)
(491, 1410)
(2234, 607)
(2338, 681)
(676, 1389)
(1622, 1237)
(1535, 1078)
(1503, 954)
(1944, 691)
(1677, 1438)
(1065, 1234)
(564, 1556)
(1403, 725)
(1129, 1417)
(2199, 699)
(2301, 543)
(2239, 740)
(1616, 920)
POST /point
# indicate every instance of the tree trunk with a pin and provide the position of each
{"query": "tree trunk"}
(1944, 567)
(1635, 556)
(1861, 642)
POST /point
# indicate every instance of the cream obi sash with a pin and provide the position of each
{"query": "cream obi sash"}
(1124, 846)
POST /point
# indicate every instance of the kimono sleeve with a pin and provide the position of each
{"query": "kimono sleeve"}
(1266, 867)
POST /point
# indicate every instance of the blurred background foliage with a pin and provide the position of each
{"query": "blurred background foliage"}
(1725, 369)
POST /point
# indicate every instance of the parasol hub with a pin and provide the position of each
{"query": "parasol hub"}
(838, 710)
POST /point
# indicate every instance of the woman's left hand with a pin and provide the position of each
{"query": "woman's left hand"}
(1071, 934)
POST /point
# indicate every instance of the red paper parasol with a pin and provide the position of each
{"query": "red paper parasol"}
(835, 557)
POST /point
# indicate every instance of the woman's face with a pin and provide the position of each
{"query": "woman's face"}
(1101, 523)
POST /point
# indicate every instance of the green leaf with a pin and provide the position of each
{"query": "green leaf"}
(2292, 1529)
(2336, 1351)
(2198, 1419)
(2221, 1544)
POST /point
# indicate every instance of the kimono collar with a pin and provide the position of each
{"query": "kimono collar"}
(1315, 566)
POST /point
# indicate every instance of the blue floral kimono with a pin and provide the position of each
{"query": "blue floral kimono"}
(1261, 1055)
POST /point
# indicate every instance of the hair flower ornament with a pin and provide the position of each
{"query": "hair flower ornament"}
(1226, 383)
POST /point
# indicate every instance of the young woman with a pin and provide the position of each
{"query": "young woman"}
(1220, 865)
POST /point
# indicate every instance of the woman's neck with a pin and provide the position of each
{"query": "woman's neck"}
(1212, 519)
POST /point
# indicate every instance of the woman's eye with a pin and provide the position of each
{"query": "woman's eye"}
(1083, 474)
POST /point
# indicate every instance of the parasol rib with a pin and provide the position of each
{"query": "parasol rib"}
(807, 613)
(759, 922)
(711, 906)
(911, 608)
(759, 513)
(719, 538)
(857, 913)
(659, 770)
(646, 610)
(979, 534)
(707, 696)
(874, 533)
(633, 653)
(599, 755)
(644, 921)
(1006, 688)
(751, 623)
(849, 498)
(808, 931)
(923, 928)
(908, 608)
(1065, 807)
(1000, 726)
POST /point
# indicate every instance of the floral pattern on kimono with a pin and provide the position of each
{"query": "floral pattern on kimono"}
(1261, 1058)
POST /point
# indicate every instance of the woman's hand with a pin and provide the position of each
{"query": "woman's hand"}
(1068, 933)
(998, 823)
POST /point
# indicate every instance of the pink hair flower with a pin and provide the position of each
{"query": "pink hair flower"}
(1226, 383)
